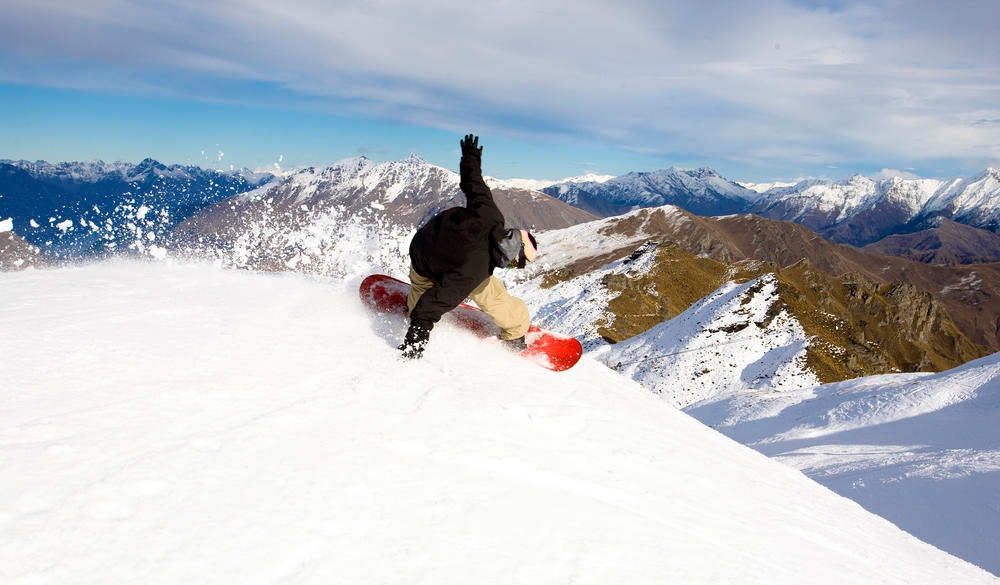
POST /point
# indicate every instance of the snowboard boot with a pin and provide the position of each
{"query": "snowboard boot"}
(515, 345)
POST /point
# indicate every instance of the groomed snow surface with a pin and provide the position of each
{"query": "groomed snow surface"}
(171, 423)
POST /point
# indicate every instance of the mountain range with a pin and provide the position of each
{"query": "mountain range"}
(77, 208)
(859, 211)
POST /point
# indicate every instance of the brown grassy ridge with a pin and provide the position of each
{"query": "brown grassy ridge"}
(857, 326)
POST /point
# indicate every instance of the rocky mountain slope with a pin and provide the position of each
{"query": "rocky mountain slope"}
(941, 241)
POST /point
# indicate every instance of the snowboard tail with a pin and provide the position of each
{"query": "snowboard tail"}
(385, 294)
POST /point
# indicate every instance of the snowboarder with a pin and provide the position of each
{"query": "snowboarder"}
(452, 258)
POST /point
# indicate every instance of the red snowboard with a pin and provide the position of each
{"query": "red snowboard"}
(386, 294)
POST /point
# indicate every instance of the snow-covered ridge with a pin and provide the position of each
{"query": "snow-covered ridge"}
(725, 344)
(846, 198)
(360, 174)
(974, 200)
(885, 203)
(700, 191)
(361, 171)
(540, 184)
(765, 187)
(95, 171)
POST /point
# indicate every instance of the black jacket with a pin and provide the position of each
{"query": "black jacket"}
(457, 248)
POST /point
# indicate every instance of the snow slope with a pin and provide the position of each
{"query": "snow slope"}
(169, 423)
(921, 450)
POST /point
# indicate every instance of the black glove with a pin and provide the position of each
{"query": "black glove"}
(470, 146)
(415, 340)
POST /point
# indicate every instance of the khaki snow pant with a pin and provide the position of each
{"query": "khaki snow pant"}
(508, 312)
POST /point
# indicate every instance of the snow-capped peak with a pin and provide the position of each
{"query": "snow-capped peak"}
(414, 159)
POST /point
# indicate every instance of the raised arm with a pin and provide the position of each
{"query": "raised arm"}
(471, 170)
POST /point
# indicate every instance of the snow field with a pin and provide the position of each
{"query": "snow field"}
(921, 450)
(167, 423)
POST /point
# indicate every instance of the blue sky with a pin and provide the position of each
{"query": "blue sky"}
(763, 90)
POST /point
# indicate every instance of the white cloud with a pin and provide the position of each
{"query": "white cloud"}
(768, 80)
(893, 173)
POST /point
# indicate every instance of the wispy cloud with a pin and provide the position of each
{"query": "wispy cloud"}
(758, 82)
